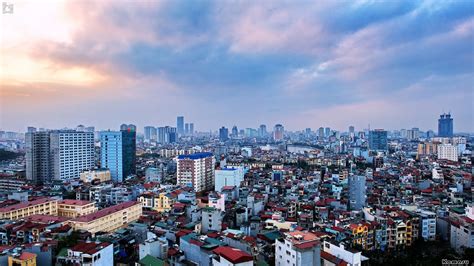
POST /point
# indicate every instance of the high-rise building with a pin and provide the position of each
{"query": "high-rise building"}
(445, 125)
(31, 129)
(167, 135)
(235, 132)
(321, 133)
(191, 129)
(223, 134)
(357, 192)
(327, 132)
(378, 140)
(196, 171)
(448, 152)
(58, 154)
(413, 134)
(351, 129)
(37, 146)
(262, 131)
(278, 132)
(150, 133)
(118, 152)
(180, 125)
(186, 129)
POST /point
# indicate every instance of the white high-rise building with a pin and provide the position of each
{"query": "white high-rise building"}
(228, 177)
(448, 152)
(196, 171)
(60, 154)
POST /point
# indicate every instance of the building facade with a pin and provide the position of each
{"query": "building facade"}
(445, 125)
(196, 171)
(118, 153)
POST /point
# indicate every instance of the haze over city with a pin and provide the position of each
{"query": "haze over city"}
(390, 64)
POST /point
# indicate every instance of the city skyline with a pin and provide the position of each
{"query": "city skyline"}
(271, 62)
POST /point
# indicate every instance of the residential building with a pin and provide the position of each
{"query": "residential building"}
(22, 259)
(88, 253)
(211, 220)
(228, 177)
(428, 225)
(180, 125)
(357, 192)
(338, 250)
(278, 132)
(298, 248)
(59, 154)
(448, 152)
(223, 134)
(156, 247)
(196, 171)
(228, 256)
(99, 175)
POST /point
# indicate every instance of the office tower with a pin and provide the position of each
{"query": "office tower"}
(118, 152)
(445, 125)
(378, 140)
(321, 133)
(167, 135)
(191, 129)
(37, 146)
(430, 134)
(448, 152)
(223, 134)
(228, 177)
(262, 131)
(31, 130)
(125, 127)
(180, 125)
(186, 129)
(327, 132)
(357, 192)
(278, 132)
(148, 130)
(59, 154)
(235, 132)
(196, 171)
(351, 129)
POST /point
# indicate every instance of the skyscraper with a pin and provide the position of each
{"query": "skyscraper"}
(262, 131)
(149, 132)
(180, 125)
(278, 132)
(327, 132)
(186, 129)
(357, 192)
(351, 129)
(321, 133)
(235, 132)
(378, 140)
(445, 125)
(191, 129)
(118, 152)
(223, 134)
(58, 154)
(167, 135)
(196, 171)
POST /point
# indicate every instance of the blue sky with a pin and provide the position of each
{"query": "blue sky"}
(390, 64)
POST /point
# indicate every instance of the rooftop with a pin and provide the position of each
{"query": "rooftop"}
(233, 255)
(25, 204)
(106, 211)
(195, 156)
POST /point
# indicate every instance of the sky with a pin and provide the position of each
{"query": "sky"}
(390, 64)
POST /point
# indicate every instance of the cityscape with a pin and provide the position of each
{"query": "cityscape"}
(222, 133)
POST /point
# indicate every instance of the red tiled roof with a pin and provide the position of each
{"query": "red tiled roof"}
(90, 248)
(74, 202)
(106, 211)
(27, 256)
(233, 255)
(331, 258)
(25, 204)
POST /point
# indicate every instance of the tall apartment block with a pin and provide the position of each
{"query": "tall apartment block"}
(196, 171)
(59, 154)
